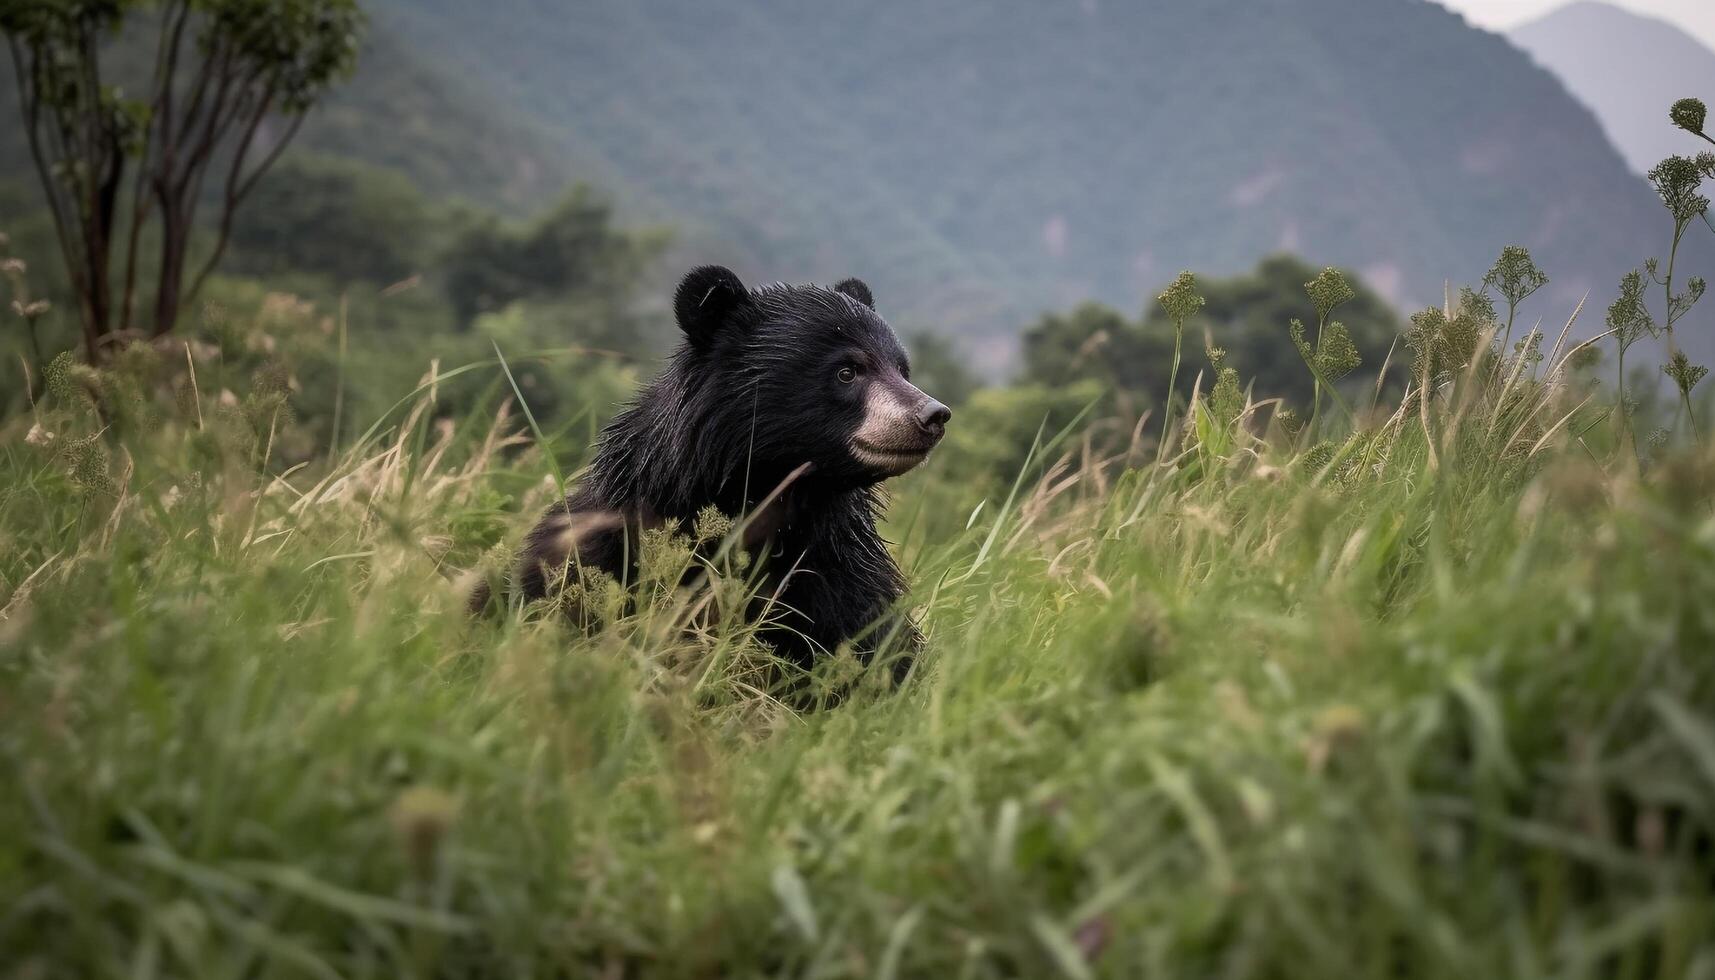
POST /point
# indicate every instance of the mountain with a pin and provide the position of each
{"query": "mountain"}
(404, 112)
(1628, 69)
(978, 162)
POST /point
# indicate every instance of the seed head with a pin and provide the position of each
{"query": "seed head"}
(1628, 317)
(711, 525)
(87, 461)
(1684, 373)
(1180, 299)
(1677, 179)
(1688, 114)
(1328, 290)
(1514, 275)
(1339, 356)
(1478, 306)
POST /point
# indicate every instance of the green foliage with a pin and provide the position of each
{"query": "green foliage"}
(1291, 715)
(341, 221)
(298, 46)
(570, 248)
(1245, 315)
(110, 166)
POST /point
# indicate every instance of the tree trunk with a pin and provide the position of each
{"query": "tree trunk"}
(175, 236)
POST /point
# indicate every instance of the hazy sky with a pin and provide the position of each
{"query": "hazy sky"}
(1697, 17)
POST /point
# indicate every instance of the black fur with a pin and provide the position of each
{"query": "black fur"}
(758, 409)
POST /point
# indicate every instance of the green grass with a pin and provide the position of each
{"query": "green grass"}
(1365, 710)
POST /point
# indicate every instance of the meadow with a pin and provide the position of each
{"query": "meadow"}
(1423, 689)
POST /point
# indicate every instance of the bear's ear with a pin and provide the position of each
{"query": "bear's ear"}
(706, 297)
(856, 289)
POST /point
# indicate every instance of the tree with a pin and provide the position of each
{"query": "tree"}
(574, 248)
(341, 220)
(1248, 315)
(110, 166)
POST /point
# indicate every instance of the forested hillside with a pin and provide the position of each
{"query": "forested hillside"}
(982, 163)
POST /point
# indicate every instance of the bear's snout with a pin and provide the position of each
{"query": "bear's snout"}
(900, 425)
(932, 417)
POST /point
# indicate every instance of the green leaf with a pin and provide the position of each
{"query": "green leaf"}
(1061, 947)
(794, 897)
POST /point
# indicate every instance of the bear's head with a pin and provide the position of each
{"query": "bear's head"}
(812, 374)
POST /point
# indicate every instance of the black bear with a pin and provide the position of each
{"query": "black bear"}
(790, 404)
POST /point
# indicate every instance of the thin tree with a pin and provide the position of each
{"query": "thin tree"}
(111, 166)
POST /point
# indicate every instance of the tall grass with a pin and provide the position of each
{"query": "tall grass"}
(1429, 699)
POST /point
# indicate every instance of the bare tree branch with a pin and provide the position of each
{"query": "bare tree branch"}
(159, 131)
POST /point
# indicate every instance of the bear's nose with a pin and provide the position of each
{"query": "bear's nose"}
(932, 417)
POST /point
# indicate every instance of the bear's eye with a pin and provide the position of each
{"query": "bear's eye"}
(847, 375)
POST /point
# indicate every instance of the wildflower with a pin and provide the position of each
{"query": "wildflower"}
(1328, 290)
(13, 267)
(1180, 299)
(1226, 400)
(711, 525)
(1629, 317)
(31, 311)
(1684, 373)
(1514, 275)
(1423, 337)
(1334, 357)
(38, 436)
(1339, 356)
(1478, 306)
(58, 376)
(87, 460)
(1689, 115)
(1677, 179)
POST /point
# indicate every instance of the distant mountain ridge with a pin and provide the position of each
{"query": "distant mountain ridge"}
(980, 162)
(1627, 68)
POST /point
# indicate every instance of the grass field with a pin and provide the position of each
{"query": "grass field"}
(1437, 700)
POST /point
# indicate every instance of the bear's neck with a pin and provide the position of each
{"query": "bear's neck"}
(677, 450)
